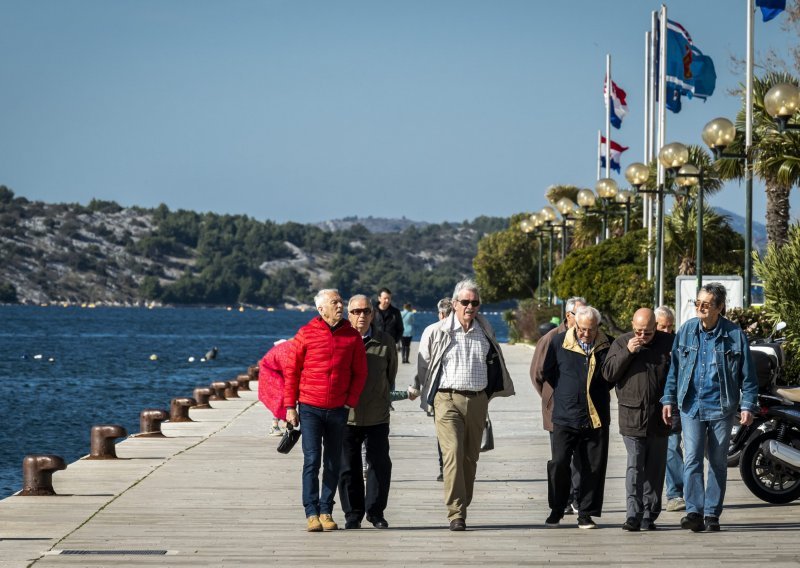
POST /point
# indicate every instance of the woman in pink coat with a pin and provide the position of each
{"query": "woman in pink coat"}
(270, 381)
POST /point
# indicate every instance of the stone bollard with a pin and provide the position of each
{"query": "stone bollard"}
(201, 395)
(179, 409)
(244, 382)
(219, 390)
(150, 420)
(37, 474)
(233, 389)
(102, 441)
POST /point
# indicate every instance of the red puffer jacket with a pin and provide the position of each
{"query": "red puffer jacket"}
(329, 368)
(270, 377)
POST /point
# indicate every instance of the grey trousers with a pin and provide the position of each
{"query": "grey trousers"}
(644, 477)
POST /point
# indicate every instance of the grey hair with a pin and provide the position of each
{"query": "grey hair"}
(466, 284)
(584, 311)
(445, 306)
(357, 297)
(319, 299)
(665, 311)
(570, 305)
(719, 292)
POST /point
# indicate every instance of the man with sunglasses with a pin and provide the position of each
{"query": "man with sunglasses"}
(637, 364)
(461, 367)
(368, 424)
(711, 375)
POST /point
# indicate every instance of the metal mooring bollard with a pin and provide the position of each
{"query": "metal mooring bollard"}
(252, 372)
(201, 395)
(219, 390)
(244, 382)
(150, 420)
(37, 474)
(233, 389)
(179, 409)
(102, 441)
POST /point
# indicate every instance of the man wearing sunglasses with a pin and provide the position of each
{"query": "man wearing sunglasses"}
(368, 424)
(711, 375)
(461, 367)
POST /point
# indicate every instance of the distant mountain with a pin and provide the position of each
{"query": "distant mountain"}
(372, 224)
(737, 224)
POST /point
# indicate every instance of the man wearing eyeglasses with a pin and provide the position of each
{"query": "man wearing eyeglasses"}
(368, 424)
(637, 364)
(710, 377)
(461, 367)
(581, 416)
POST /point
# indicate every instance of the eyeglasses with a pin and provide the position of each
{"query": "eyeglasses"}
(645, 332)
(702, 305)
(359, 311)
(473, 303)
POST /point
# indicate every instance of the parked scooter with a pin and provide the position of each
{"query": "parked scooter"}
(767, 355)
(770, 461)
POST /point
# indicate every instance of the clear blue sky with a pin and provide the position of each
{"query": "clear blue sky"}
(311, 110)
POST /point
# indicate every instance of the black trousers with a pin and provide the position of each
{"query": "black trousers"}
(575, 475)
(588, 447)
(356, 499)
(406, 349)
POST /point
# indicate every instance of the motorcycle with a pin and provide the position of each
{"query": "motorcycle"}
(770, 461)
(767, 355)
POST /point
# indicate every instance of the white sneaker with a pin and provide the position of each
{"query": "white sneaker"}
(275, 431)
(676, 504)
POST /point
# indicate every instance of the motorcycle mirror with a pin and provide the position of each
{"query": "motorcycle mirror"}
(780, 326)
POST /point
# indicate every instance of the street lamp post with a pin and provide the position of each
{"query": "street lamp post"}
(548, 216)
(606, 189)
(567, 208)
(781, 102)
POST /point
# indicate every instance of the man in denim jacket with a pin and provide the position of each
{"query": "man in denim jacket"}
(710, 367)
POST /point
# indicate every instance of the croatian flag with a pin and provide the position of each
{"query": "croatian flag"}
(770, 8)
(616, 154)
(619, 107)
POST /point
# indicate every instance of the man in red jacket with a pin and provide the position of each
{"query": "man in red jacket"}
(325, 376)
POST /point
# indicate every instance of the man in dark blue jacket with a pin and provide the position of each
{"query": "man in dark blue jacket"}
(581, 417)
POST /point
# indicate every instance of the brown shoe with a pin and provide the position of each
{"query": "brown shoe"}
(313, 524)
(327, 523)
(458, 525)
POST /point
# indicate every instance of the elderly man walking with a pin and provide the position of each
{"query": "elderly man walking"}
(461, 368)
(581, 416)
(637, 364)
(323, 382)
(711, 375)
(368, 424)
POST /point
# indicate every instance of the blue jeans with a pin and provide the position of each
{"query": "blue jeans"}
(696, 434)
(674, 466)
(318, 425)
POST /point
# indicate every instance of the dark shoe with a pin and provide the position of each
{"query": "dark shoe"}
(586, 522)
(378, 522)
(712, 524)
(693, 522)
(458, 525)
(648, 525)
(352, 524)
(552, 520)
(631, 524)
(571, 509)
(440, 477)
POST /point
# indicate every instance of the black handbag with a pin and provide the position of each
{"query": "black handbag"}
(289, 439)
(487, 440)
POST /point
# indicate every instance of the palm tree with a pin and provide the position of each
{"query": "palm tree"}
(776, 157)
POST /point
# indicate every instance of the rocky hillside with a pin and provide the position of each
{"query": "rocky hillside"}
(104, 253)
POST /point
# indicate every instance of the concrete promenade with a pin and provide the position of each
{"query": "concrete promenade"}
(216, 493)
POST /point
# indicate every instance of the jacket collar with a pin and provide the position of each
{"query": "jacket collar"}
(571, 342)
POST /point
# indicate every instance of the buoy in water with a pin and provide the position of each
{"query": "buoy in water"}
(154, 357)
(37, 356)
(191, 359)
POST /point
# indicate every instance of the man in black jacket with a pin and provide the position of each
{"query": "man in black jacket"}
(637, 363)
(387, 317)
(581, 416)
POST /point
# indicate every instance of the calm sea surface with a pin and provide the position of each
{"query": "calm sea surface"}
(101, 372)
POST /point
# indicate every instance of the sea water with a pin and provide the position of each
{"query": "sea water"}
(64, 370)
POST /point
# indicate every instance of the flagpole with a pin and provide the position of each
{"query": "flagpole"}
(662, 119)
(748, 166)
(608, 117)
(647, 203)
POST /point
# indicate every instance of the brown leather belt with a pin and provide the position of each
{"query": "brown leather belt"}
(462, 393)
